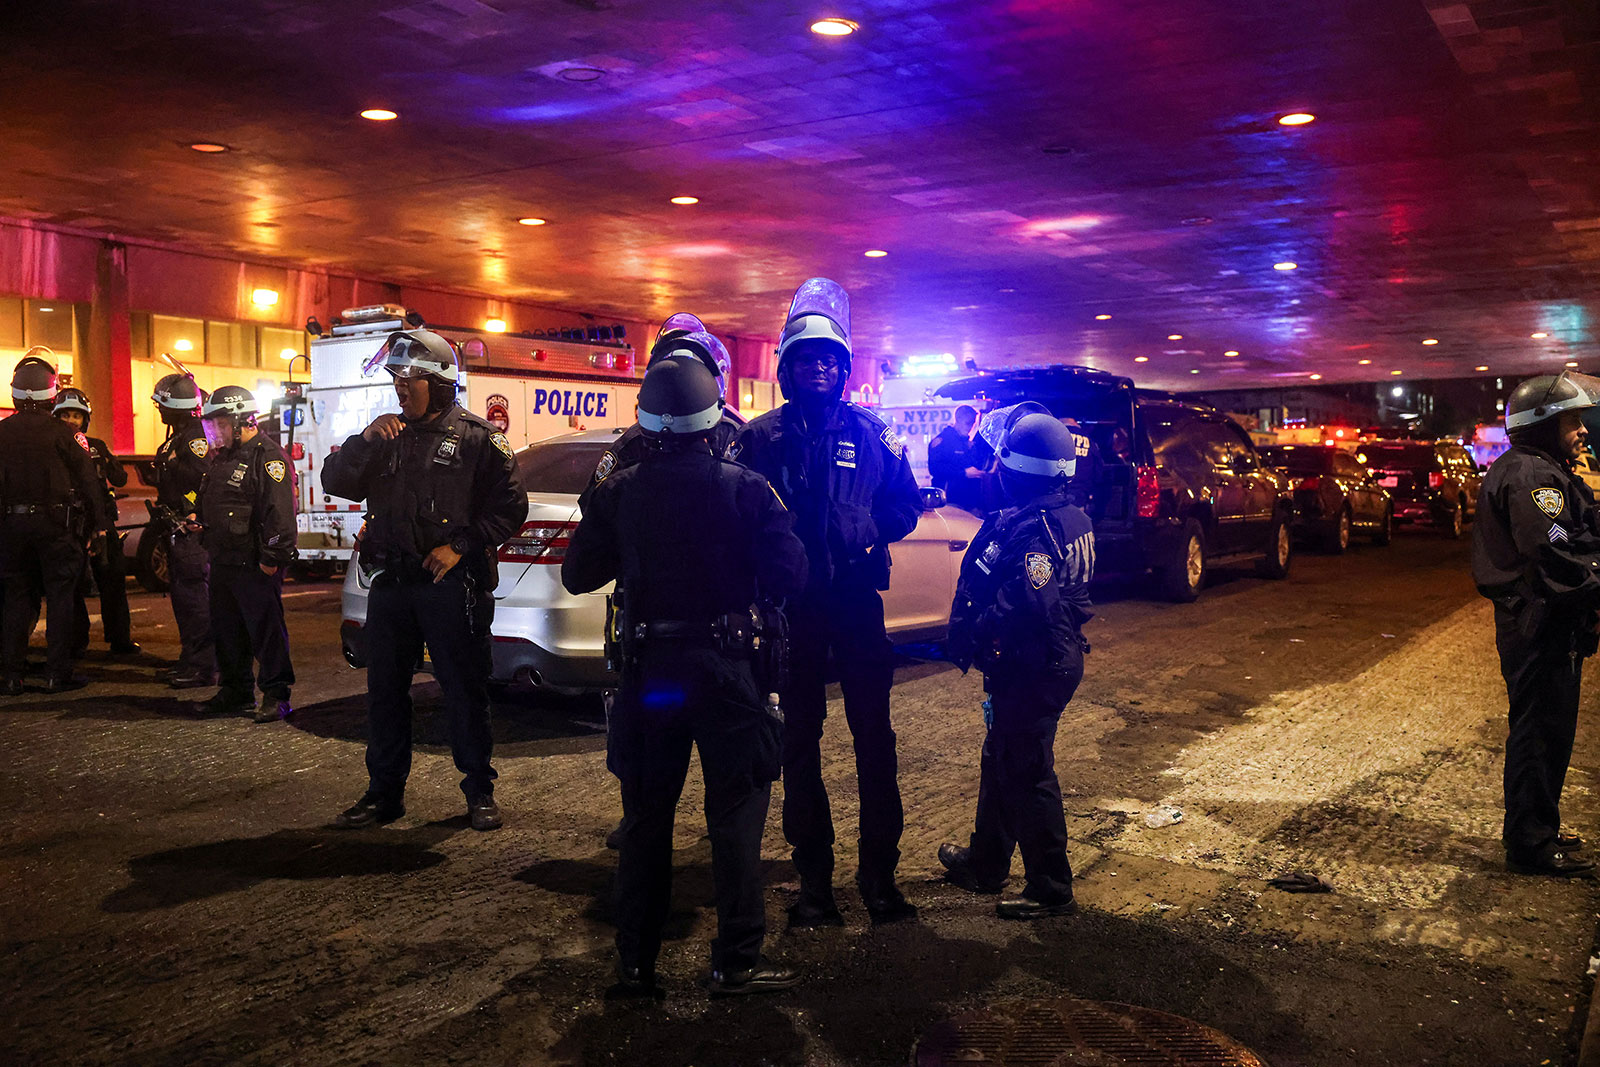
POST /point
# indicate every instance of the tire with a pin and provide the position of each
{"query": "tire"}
(1337, 539)
(1280, 550)
(1458, 522)
(151, 565)
(1184, 575)
(1385, 531)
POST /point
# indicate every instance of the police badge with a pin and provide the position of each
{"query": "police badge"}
(275, 469)
(1550, 501)
(1039, 569)
(990, 554)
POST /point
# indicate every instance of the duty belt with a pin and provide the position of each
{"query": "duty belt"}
(33, 509)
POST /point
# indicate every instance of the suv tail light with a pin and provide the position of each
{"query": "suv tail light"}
(539, 542)
(1435, 479)
(1147, 495)
(1312, 482)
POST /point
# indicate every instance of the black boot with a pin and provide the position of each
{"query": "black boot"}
(764, 977)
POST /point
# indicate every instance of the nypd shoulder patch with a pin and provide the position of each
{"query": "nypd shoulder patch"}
(892, 442)
(1549, 501)
(83, 442)
(275, 469)
(199, 447)
(1040, 569)
(499, 441)
(607, 464)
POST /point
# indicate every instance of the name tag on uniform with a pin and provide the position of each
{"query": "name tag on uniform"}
(845, 454)
(447, 449)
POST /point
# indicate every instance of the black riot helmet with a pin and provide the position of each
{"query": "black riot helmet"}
(70, 399)
(226, 411)
(697, 344)
(33, 382)
(1036, 455)
(177, 397)
(678, 400)
(1541, 399)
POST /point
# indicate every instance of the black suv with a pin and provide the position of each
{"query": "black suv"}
(1182, 487)
(1435, 484)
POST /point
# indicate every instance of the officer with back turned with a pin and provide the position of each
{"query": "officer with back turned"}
(46, 480)
(180, 467)
(107, 564)
(696, 543)
(246, 510)
(1536, 555)
(443, 496)
(1018, 617)
(845, 476)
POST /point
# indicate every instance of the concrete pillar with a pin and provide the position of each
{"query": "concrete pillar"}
(106, 370)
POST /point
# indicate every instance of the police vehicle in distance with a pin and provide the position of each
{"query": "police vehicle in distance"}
(1182, 487)
(547, 637)
(531, 387)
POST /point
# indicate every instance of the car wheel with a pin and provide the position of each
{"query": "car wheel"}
(1182, 578)
(1338, 539)
(152, 565)
(1280, 549)
(1385, 531)
(1457, 522)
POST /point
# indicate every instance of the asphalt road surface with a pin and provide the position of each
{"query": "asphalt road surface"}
(169, 892)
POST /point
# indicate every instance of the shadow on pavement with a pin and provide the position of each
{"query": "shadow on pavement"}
(180, 875)
(552, 725)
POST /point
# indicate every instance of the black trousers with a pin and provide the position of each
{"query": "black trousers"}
(1542, 679)
(1019, 798)
(38, 553)
(402, 618)
(680, 697)
(848, 623)
(110, 570)
(247, 618)
(189, 570)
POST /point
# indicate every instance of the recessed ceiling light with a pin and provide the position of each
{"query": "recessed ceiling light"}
(1540, 336)
(1297, 118)
(1430, 340)
(1230, 353)
(834, 27)
(1101, 318)
(1174, 336)
(380, 114)
(264, 298)
(1141, 359)
(686, 200)
(495, 325)
(209, 147)
(530, 221)
(1570, 364)
(582, 74)
(874, 253)
(1484, 367)
(1397, 372)
(183, 345)
(1316, 377)
(1196, 370)
(1364, 362)
(1285, 265)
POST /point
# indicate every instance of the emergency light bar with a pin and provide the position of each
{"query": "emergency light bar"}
(372, 313)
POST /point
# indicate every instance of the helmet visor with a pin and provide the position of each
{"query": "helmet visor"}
(822, 296)
(993, 425)
(220, 430)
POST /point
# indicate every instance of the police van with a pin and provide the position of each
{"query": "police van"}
(530, 387)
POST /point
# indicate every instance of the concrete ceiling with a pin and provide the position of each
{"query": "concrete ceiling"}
(1027, 164)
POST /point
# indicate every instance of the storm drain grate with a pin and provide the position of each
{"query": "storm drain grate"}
(1058, 1033)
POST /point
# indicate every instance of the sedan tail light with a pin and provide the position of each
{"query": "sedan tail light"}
(1147, 495)
(1312, 482)
(1435, 479)
(539, 542)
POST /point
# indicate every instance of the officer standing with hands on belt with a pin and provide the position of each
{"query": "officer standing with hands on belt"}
(1018, 616)
(246, 510)
(692, 630)
(108, 565)
(442, 492)
(1536, 555)
(180, 467)
(46, 478)
(845, 476)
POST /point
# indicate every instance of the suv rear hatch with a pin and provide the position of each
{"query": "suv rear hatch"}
(1408, 471)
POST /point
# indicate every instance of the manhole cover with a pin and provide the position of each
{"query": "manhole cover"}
(1061, 1032)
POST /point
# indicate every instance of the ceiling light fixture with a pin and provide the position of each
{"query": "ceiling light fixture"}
(46, 311)
(288, 354)
(1286, 265)
(1571, 364)
(582, 74)
(1195, 370)
(1430, 340)
(209, 147)
(1296, 118)
(1316, 377)
(379, 114)
(874, 253)
(1230, 353)
(495, 325)
(1101, 318)
(1141, 359)
(1485, 367)
(530, 221)
(264, 298)
(1364, 362)
(686, 200)
(1174, 336)
(1397, 372)
(1540, 336)
(834, 27)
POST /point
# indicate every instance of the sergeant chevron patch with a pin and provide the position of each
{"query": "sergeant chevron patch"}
(1557, 534)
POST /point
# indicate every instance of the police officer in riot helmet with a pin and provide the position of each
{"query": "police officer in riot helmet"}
(693, 630)
(1018, 616)
(180, 467)
(107, 564)
(681, 333)
(443, 496)
(845, 476)
(47, 482)
(1536, 555)
(246, 511)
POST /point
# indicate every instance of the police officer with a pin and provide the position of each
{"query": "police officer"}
(695, 541)
(180, 467)
(1090, 465)
(681, 332)
(442, 494)
(1536, 554)
(952, 464)
(108, 565)
(46, 479)
(1018, 616)
(844, 475)
(246, 511)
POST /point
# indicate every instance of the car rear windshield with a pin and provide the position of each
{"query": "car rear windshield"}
(1398, 457)
(1297, 460)
(563, 467)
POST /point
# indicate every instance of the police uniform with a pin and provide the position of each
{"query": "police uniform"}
(631, 446)
(448, 481)
(1536, 555)
(1086, 476)
(950, 453)
(695, 541)
(1019, 609)
(850, 487)
(180, 468)
(246, 507)
(109, 566)
(47, 481)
